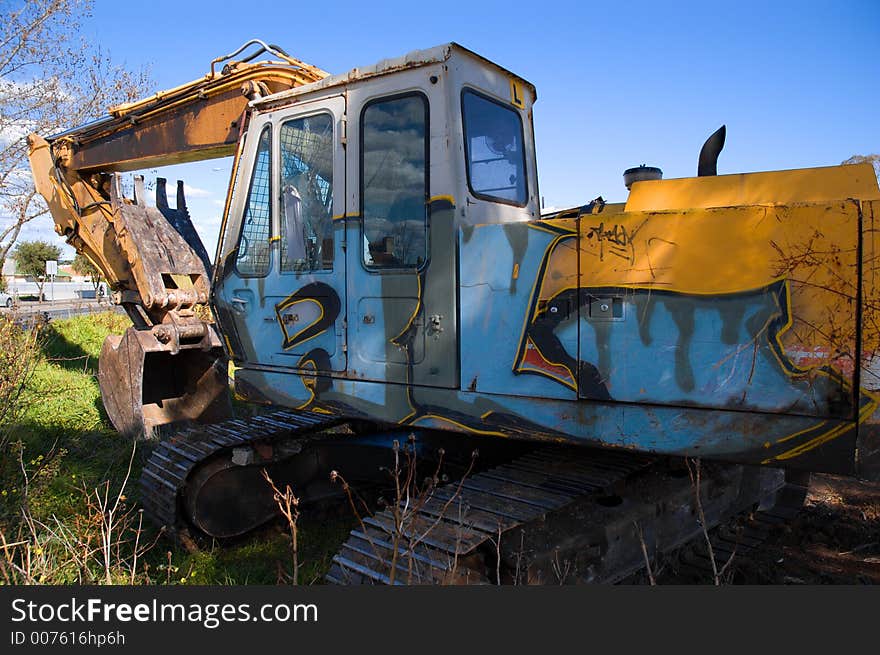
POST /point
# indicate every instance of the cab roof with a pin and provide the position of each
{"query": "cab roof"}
(414, 59)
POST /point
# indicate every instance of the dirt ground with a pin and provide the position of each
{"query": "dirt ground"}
(834, 539)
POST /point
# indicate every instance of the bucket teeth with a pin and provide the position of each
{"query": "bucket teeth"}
(180, 219)
(162, 199)
(140, 195)
(161, 196)
(181, 199)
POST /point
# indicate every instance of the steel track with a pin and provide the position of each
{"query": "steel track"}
(436, 538)
(744, 536)
(176, 459)
(545, 498)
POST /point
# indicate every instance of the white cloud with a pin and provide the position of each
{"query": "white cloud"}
(195, 192)
(14, 130)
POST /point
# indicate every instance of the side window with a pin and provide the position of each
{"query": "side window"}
(307, 194)
(253, 245)
(493, 144)
(227, 235)
(394, 181)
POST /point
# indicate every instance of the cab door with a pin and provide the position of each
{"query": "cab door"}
(285, 290)
(402, 240)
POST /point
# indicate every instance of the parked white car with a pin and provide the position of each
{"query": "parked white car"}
(5, 300)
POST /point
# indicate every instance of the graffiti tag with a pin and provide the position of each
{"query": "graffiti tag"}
(615, 240)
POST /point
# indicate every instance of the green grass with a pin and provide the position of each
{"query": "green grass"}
(68, 448)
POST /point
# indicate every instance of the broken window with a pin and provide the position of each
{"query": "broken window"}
(307, 193)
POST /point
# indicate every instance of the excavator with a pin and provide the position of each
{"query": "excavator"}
(384, 268)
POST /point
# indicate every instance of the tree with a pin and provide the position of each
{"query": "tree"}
(31, 257)
(866, 159)
(50, 79)
(83, 266)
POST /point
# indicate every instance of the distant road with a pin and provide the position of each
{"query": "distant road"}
(59, 308)
(57, 291)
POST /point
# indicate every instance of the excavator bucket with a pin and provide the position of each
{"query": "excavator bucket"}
(143, 385)
(169, 367)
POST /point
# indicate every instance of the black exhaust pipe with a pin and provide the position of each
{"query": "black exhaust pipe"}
(708, 164)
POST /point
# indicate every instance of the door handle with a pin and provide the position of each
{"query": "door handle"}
(239, 304)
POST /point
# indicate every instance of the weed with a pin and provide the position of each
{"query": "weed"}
(288, 505)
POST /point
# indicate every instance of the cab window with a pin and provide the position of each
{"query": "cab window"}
(394, 181)
(253, 245)
(493, 143)
(307, 193)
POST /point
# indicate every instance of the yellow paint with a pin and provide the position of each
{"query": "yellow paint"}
(461, 426)
(798, 433)
(811, 444)
(811, 248)
(517, 94)
(718, 251)
(449, 199)
(308, 381)
(825, 437)
(414, 313)
(806, 185)
(515, 272)
(274, 239)
(569, 228)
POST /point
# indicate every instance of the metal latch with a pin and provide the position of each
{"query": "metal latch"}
(435, 328)
(606, 308)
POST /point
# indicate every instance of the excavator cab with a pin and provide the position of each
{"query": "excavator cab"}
(339, 252)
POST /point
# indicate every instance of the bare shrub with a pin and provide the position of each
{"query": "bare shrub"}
(412, 492)
(694, 467)
(288, 505)
(104, 544)
(19, 354)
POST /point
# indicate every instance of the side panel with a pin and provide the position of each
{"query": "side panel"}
(516, 393)
(498, 349)
(747, 308)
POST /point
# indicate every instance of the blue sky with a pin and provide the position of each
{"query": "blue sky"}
(795, 82)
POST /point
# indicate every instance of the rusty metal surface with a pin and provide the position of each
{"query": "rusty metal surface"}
(152, 257)
(595, 535)
(195, 121)
(168, 273)
(183, 463)
(438, 537)
(142, 387)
